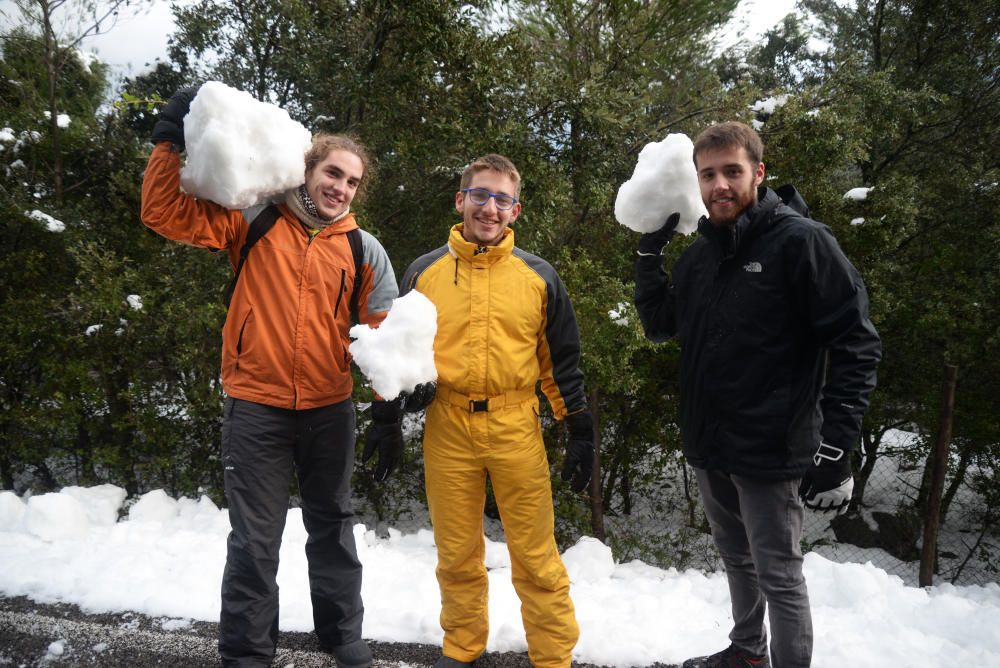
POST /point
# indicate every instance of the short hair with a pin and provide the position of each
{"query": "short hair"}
(730, 133)
(324, 142)
(497, 163)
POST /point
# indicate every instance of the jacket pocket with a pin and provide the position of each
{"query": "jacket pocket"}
(239, 339)
(340, 293)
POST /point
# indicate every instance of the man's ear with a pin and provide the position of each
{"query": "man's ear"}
(759, 174)
(514, 213)
(460, 202)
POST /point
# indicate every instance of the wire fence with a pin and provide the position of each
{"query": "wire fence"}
(885, 527)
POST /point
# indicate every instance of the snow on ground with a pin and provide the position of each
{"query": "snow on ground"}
(165, 558)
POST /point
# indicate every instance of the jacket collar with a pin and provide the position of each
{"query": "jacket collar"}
(753, 222)
(476, 254)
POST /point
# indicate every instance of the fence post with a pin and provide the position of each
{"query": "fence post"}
(932, 520)
(596, 493)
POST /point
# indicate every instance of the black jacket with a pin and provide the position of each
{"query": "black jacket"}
(777, 350)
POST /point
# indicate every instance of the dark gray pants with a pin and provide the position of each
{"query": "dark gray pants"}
(262, 447)
(757, 526)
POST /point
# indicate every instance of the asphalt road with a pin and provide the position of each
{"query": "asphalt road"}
(50, 635)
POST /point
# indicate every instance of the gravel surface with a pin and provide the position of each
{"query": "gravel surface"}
(49, 635)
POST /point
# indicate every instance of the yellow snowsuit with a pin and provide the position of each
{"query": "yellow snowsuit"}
(504, 322)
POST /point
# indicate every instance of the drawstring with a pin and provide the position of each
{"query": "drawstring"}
(456, 271)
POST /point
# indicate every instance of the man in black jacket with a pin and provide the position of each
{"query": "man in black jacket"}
(778, 360)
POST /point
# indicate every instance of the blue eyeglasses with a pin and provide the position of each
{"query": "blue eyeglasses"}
(480, 196)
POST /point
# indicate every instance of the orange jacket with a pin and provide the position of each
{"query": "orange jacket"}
(285, 339)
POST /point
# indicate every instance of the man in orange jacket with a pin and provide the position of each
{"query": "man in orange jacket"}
(286, 373)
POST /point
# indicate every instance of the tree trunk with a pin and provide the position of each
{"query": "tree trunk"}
(596, 494)
(51, 53)
(928, 553)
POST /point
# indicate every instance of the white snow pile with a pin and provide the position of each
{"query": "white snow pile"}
(664, 182)
(240, 151)
(858, 194)
(399, 355)
(51, 224)
(165, 558)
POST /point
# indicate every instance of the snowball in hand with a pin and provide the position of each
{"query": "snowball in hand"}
(240, 151)
(399, 355)
(665, 181)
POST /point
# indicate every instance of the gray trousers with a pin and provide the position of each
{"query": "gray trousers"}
(262, 447)
(757, 526)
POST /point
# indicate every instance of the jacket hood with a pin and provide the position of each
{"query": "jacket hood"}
(470, 252)
(753, 222)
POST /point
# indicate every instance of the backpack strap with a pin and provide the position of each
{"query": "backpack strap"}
(259, 226)
(358, 251)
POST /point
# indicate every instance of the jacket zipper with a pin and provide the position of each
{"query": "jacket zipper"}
(295, 387)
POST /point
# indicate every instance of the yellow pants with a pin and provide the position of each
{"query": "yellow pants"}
(460, 448)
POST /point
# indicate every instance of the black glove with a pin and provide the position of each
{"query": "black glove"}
(420, 398)
(828, 485)
(386, 436)
(652, 243)
(579, 450)
(170, 126)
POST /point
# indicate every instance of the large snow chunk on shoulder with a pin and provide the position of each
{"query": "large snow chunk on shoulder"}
(101, 503)
(589, 560)
(11, 512)
(154, 506)
(665, 181)
(54, 517)
(399, 355)
(241, 151)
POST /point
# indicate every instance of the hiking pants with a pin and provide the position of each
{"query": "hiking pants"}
(757, 525)
(262, 446)
(460, 449)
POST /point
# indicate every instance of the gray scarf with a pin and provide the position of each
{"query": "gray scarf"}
(302, 205)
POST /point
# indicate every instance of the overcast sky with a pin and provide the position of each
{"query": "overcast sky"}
(140, 38)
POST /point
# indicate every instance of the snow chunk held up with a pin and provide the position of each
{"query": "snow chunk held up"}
(399, 355)
(664, 181)
(241, 151)
(858, 194)
(589, 560)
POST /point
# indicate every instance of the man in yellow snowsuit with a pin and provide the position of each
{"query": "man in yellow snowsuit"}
(504, 323)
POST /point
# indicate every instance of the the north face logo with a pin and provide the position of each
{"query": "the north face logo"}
(753, 267)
